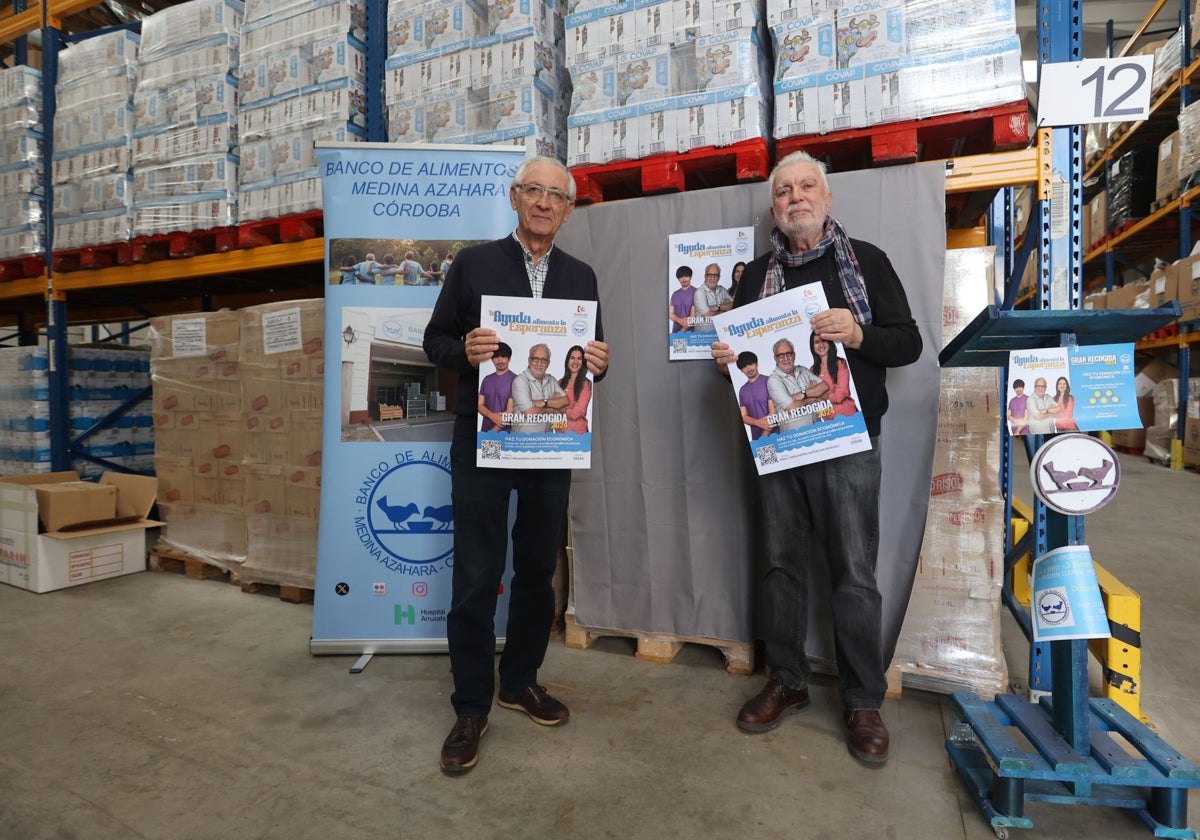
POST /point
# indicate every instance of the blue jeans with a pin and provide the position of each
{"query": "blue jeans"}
(825, 512)
(480, 498)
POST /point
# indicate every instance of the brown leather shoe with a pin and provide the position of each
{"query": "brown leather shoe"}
(536, 702)
(866, 735)
(767, 709)
(460, 750)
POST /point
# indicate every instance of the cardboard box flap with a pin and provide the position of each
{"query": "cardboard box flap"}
(135, 494)
(42, 478)
(104, 529)
(68, 504)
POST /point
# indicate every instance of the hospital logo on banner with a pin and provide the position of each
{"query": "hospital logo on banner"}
(403, 516)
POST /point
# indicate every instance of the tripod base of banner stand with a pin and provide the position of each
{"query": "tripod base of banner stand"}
(367, 648)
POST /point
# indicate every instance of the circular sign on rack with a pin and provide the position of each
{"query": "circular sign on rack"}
(1075, 474)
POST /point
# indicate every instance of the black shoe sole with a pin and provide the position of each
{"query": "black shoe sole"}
(759, 728)
(517, 707)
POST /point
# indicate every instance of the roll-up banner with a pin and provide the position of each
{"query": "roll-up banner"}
(395, 216)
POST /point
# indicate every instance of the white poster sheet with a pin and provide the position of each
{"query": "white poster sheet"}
(700, 278)
(794, 391)
(535, 407)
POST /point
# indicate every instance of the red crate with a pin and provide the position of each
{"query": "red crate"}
(710, 166)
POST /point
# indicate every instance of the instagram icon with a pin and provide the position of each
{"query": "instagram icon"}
(420, 589)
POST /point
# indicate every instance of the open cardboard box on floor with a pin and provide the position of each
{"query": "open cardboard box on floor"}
(57, 531)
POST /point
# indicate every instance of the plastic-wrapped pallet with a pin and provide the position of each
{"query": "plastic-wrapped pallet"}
(93, 141)
(24, 411)
(101, 380)
(185, 118)
(1131, 186)
(460, 71)
(653, 77)
(21, 203)
(199, 434)
(1189, 141)
(950, 639)
(282, 373)
(301, 81)
(862, 64)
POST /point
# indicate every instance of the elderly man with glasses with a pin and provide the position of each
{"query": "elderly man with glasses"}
(536, 395)
(524, 264)
(710, 297)
(791, 387)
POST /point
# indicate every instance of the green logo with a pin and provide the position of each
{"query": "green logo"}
(406, 614)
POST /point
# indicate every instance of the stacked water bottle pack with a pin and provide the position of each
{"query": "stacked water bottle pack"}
(21, 193)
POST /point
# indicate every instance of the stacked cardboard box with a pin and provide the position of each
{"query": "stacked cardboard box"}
(199, 437)
(185, 118)
(950, 639)
(93, 140)
(301, 80)
(282, 373)
(21, 210)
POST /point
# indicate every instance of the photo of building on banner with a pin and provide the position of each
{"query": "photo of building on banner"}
(535, 393)
(794, 391)
(1071, 389)
(704, 269)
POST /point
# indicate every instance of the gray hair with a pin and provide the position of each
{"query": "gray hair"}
(545, 347)
(519, 175)
(775, 347)
(800, 157)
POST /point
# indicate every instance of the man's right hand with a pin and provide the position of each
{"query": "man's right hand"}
(481, 344)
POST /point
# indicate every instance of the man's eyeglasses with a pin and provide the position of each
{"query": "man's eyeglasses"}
(538, 360)
(535, 192)
(785, 355)
(712, 274)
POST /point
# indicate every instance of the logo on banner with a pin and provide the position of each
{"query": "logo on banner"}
(404, 518)
(405, 614)
(1054, 609)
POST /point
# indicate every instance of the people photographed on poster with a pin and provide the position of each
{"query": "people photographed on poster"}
(735, 277)
(1018, 409)
(1064, 420)
(536, 393)
(495, 392)
(364, 272)
(753, 400)
(579, 391)
(712, 297)
(413, 272)
(793, 386)
(832, 370)
(1041, 409)
(387, 271)
(682, 307)
(349, 270)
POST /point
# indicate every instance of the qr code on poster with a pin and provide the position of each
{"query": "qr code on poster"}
(489, 450)
(767, 455)
(679, 345)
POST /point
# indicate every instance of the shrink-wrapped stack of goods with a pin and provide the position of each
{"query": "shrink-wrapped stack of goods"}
(21, 192)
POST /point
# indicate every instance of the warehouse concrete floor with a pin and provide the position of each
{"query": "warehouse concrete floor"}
(153, 706)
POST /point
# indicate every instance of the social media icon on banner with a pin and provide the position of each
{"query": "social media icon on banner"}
(378, 588)
(420, 589)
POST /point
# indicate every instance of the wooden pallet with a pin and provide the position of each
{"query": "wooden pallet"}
(291, 594)
(710, 166)
(662, 647)
(1160, 203)
(1000, 128)
(163, 559)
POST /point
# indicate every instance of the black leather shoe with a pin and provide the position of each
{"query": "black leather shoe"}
(460, 750)
(866, 735)
(767, 709)
(537, 703)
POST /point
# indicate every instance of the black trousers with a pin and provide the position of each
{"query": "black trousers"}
(481, 502)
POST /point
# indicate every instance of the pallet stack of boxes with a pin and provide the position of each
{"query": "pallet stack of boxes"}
(93, 141)
(950, 639)
(21, 193)
(185, 119)
(282, 376)
(237, 400)
(24, 411)
(461, 71)
(853, 65)
(652, 77)
(302, 80)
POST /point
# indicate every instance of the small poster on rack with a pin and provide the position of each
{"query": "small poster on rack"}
(1067, 603)
(705, 267)
(535, 393)
(1071, 389)
(794, 390)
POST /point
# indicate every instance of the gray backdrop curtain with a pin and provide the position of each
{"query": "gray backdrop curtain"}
(665, 524)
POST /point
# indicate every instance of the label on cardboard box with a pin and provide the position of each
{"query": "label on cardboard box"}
(281, 332)
(189, 336)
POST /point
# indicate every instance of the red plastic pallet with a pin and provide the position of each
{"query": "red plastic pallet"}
(1000, 128)
(710, 166)
(175, 245)
(93, 256)
(293, 228)
(21, 267)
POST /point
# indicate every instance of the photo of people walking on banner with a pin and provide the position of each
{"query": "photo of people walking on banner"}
(392, 262)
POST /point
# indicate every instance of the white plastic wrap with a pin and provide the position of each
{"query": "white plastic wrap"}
(21, 161)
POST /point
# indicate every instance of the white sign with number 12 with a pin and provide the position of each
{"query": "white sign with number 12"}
(1096, 90)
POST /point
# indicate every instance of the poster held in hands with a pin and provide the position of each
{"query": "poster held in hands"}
(527, 417)
(699, 283)
(797, 408)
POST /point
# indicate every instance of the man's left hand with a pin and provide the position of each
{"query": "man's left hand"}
(596, 356)
(838, 325)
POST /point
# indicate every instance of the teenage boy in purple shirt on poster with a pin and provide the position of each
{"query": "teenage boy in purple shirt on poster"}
(681, 301)
(753, 398)
(495, 392)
